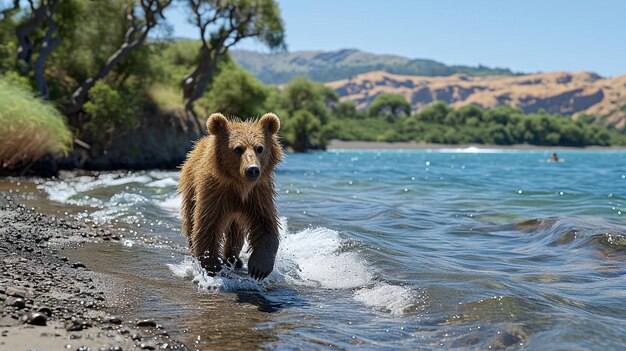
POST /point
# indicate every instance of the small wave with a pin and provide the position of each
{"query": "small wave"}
(64, 190)
(472, 150)
(391, 298)
(163, 183)
(170, 204)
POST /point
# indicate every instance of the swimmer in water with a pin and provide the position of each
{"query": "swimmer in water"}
(554, 157)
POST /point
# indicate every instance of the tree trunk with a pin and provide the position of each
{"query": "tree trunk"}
(24, 31)
(196, 83)
(48, 44)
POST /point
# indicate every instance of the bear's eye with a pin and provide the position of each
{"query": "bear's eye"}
(238, 150)
(259, 149)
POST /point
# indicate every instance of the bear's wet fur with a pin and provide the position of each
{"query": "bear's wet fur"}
(227, 188)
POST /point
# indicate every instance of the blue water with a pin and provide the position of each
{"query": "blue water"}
(448, 249)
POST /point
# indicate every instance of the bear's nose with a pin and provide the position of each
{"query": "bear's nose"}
(253, 172)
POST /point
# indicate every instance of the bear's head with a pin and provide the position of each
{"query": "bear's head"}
(246, 152)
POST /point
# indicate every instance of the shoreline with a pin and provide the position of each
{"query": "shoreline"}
(382, 145)
(51, 303)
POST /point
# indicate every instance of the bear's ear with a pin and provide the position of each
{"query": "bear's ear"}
(216, 124)
(270, 123)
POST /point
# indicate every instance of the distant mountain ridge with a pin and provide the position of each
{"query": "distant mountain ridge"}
(565, 93)
(326, 66)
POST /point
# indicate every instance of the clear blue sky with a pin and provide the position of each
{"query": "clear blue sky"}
(526, 36)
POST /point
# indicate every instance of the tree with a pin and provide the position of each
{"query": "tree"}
(303, 94)
(138, 28)
(347, 109)
(389, 105)
(222, 24)
(301, 130)
(235, 92)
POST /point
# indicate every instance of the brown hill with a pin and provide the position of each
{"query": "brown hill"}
(555, 92)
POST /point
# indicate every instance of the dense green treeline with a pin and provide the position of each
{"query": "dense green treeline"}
(504, 125)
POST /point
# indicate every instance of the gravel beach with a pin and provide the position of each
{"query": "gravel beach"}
(49, 302)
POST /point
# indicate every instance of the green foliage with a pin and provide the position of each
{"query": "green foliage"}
(304, 107)
(15, 79)
(347, 110)
(29, 128)
(389, 105)
(235, 92)
(303, 94)
(301, 129)
(502, 126)
(109, 109)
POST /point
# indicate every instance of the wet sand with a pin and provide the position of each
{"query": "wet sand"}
(381, 145)
(50, 302)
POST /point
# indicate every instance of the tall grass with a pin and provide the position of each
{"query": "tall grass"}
(29, 128)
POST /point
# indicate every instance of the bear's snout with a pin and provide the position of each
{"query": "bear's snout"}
(253, 172)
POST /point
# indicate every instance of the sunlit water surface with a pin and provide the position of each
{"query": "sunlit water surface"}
(383, 250)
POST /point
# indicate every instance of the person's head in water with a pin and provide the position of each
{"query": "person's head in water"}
(554, 157)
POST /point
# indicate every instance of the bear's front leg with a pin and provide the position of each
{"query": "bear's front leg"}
(206, 240)
(264, 248)
(233, 244)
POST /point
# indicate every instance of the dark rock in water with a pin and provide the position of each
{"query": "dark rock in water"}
(18, 303)
(147, 346)
(45, 310)
(11, 291)
(78, 265)
(36, 318)
(113, 320)
(146, 323)
(77, 324)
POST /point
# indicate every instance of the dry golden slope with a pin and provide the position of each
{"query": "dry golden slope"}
(555, 92)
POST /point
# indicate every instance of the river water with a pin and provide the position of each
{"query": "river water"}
(431, 249)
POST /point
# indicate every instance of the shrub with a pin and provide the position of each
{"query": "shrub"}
(29, 128)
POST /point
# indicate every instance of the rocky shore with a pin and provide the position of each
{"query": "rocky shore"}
(48, 302)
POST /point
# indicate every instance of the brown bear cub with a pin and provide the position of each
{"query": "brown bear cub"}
(227, 186)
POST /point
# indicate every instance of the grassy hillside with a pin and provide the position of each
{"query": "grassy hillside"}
(322, 66)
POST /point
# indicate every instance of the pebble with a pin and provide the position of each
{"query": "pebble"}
(78, 265)
(45, 310)
(18, 303)
(113, 320)
(146, 323)
(147, 346)
(36, 318)
(11, 291)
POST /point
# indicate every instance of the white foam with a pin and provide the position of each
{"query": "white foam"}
(224, 281)
(315, 254)
(171, 204)
(391, 298)
(163, 183)
(164, 174)
(471, 150)
(62, 191)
